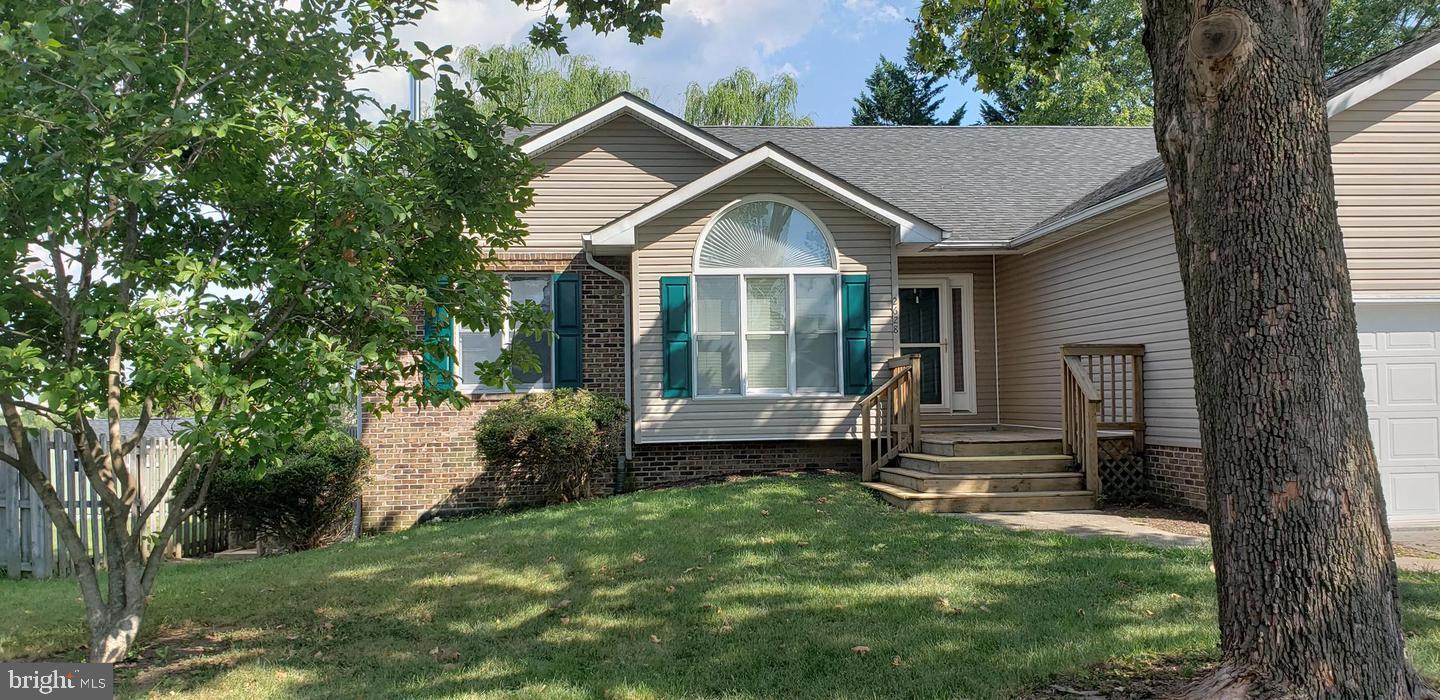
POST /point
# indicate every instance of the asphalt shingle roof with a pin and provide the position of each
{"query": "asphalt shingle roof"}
(1349, 78)
(157, 428)
(991, 184)
(978, 183)
(983, 184)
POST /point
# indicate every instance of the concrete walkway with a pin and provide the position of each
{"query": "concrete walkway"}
(1087, 523)
(1090, 523)
(1423, 538)
(1426, 538)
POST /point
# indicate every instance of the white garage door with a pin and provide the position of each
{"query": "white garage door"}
(1400, 354)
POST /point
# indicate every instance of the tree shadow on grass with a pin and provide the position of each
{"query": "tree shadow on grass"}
(783, 587)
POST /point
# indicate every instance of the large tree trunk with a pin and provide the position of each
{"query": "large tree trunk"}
(1308, 597)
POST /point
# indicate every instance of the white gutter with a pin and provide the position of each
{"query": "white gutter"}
(1382, 80)
(625, 292)
(1091, 212)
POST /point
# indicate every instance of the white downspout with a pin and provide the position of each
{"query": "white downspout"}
(625, 291)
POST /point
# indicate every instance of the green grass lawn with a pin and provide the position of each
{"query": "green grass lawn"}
(760, 588)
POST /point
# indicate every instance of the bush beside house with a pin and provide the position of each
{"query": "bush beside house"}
(562, 439)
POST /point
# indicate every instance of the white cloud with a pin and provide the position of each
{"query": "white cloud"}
(703, 40)
(871, 11)
(458, 23)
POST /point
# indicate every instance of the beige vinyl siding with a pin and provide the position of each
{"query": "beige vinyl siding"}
(987, 405)
(1121, 283)
(603, 174)
(1387, 181)
(666, 247)
(1118, 284)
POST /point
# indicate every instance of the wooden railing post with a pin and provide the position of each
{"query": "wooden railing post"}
(867, 456)
(896, 428)
(1139, 400)
(915, 402)
(1092, 448)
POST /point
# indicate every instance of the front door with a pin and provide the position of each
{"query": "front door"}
(923, 315)
(935, 320)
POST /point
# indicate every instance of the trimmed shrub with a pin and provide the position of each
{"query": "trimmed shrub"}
(561, 439)
(302, 501)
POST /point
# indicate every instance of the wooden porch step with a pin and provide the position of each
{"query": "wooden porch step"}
(927, 482)
(987, 464)
(946, 446)
(912, 500)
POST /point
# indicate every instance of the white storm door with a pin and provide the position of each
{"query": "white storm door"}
(925, 331)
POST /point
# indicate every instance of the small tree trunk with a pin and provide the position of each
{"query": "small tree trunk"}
(1308, 596)
(110, 641)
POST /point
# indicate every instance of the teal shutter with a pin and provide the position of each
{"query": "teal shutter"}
(855, 325)
(675, 336)
(569, 366)
(439, 350)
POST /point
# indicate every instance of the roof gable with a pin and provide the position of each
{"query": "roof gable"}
(913, 229)
(626, 103)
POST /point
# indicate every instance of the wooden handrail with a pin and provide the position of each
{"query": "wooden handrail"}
(1082, 380)
(1075, 349)
(894, 362)
(1102, 388)
(890, 416)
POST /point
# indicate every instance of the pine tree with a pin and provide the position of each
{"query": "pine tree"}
(901, 95)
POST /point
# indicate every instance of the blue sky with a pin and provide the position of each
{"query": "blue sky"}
(830, 45)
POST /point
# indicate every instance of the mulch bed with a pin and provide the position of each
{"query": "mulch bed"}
(1182, 521)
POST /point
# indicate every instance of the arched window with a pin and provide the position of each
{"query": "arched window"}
(767, 300)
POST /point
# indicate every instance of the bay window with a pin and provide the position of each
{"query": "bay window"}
(766, 303)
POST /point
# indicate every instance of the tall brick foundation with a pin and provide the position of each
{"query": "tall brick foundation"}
(1177, 475)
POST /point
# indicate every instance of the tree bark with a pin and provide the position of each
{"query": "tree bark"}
(1308, 594)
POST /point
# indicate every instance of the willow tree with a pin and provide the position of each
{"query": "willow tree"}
(1308, 594)
(198, 213)
(545, 86)
(743, 99)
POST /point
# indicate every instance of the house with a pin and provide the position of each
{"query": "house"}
(977, 318)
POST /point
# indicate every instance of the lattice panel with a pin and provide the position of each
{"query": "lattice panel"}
(1122, 477)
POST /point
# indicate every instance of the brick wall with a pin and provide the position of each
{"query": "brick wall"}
(1177, 474)
(668, 463)
(425, 459)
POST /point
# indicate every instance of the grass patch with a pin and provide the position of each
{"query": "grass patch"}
(755, 589)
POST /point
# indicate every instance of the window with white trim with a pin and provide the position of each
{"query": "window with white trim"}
(767, 303)
(472, 346)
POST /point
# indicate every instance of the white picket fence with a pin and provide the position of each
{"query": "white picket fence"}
(29, 543)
